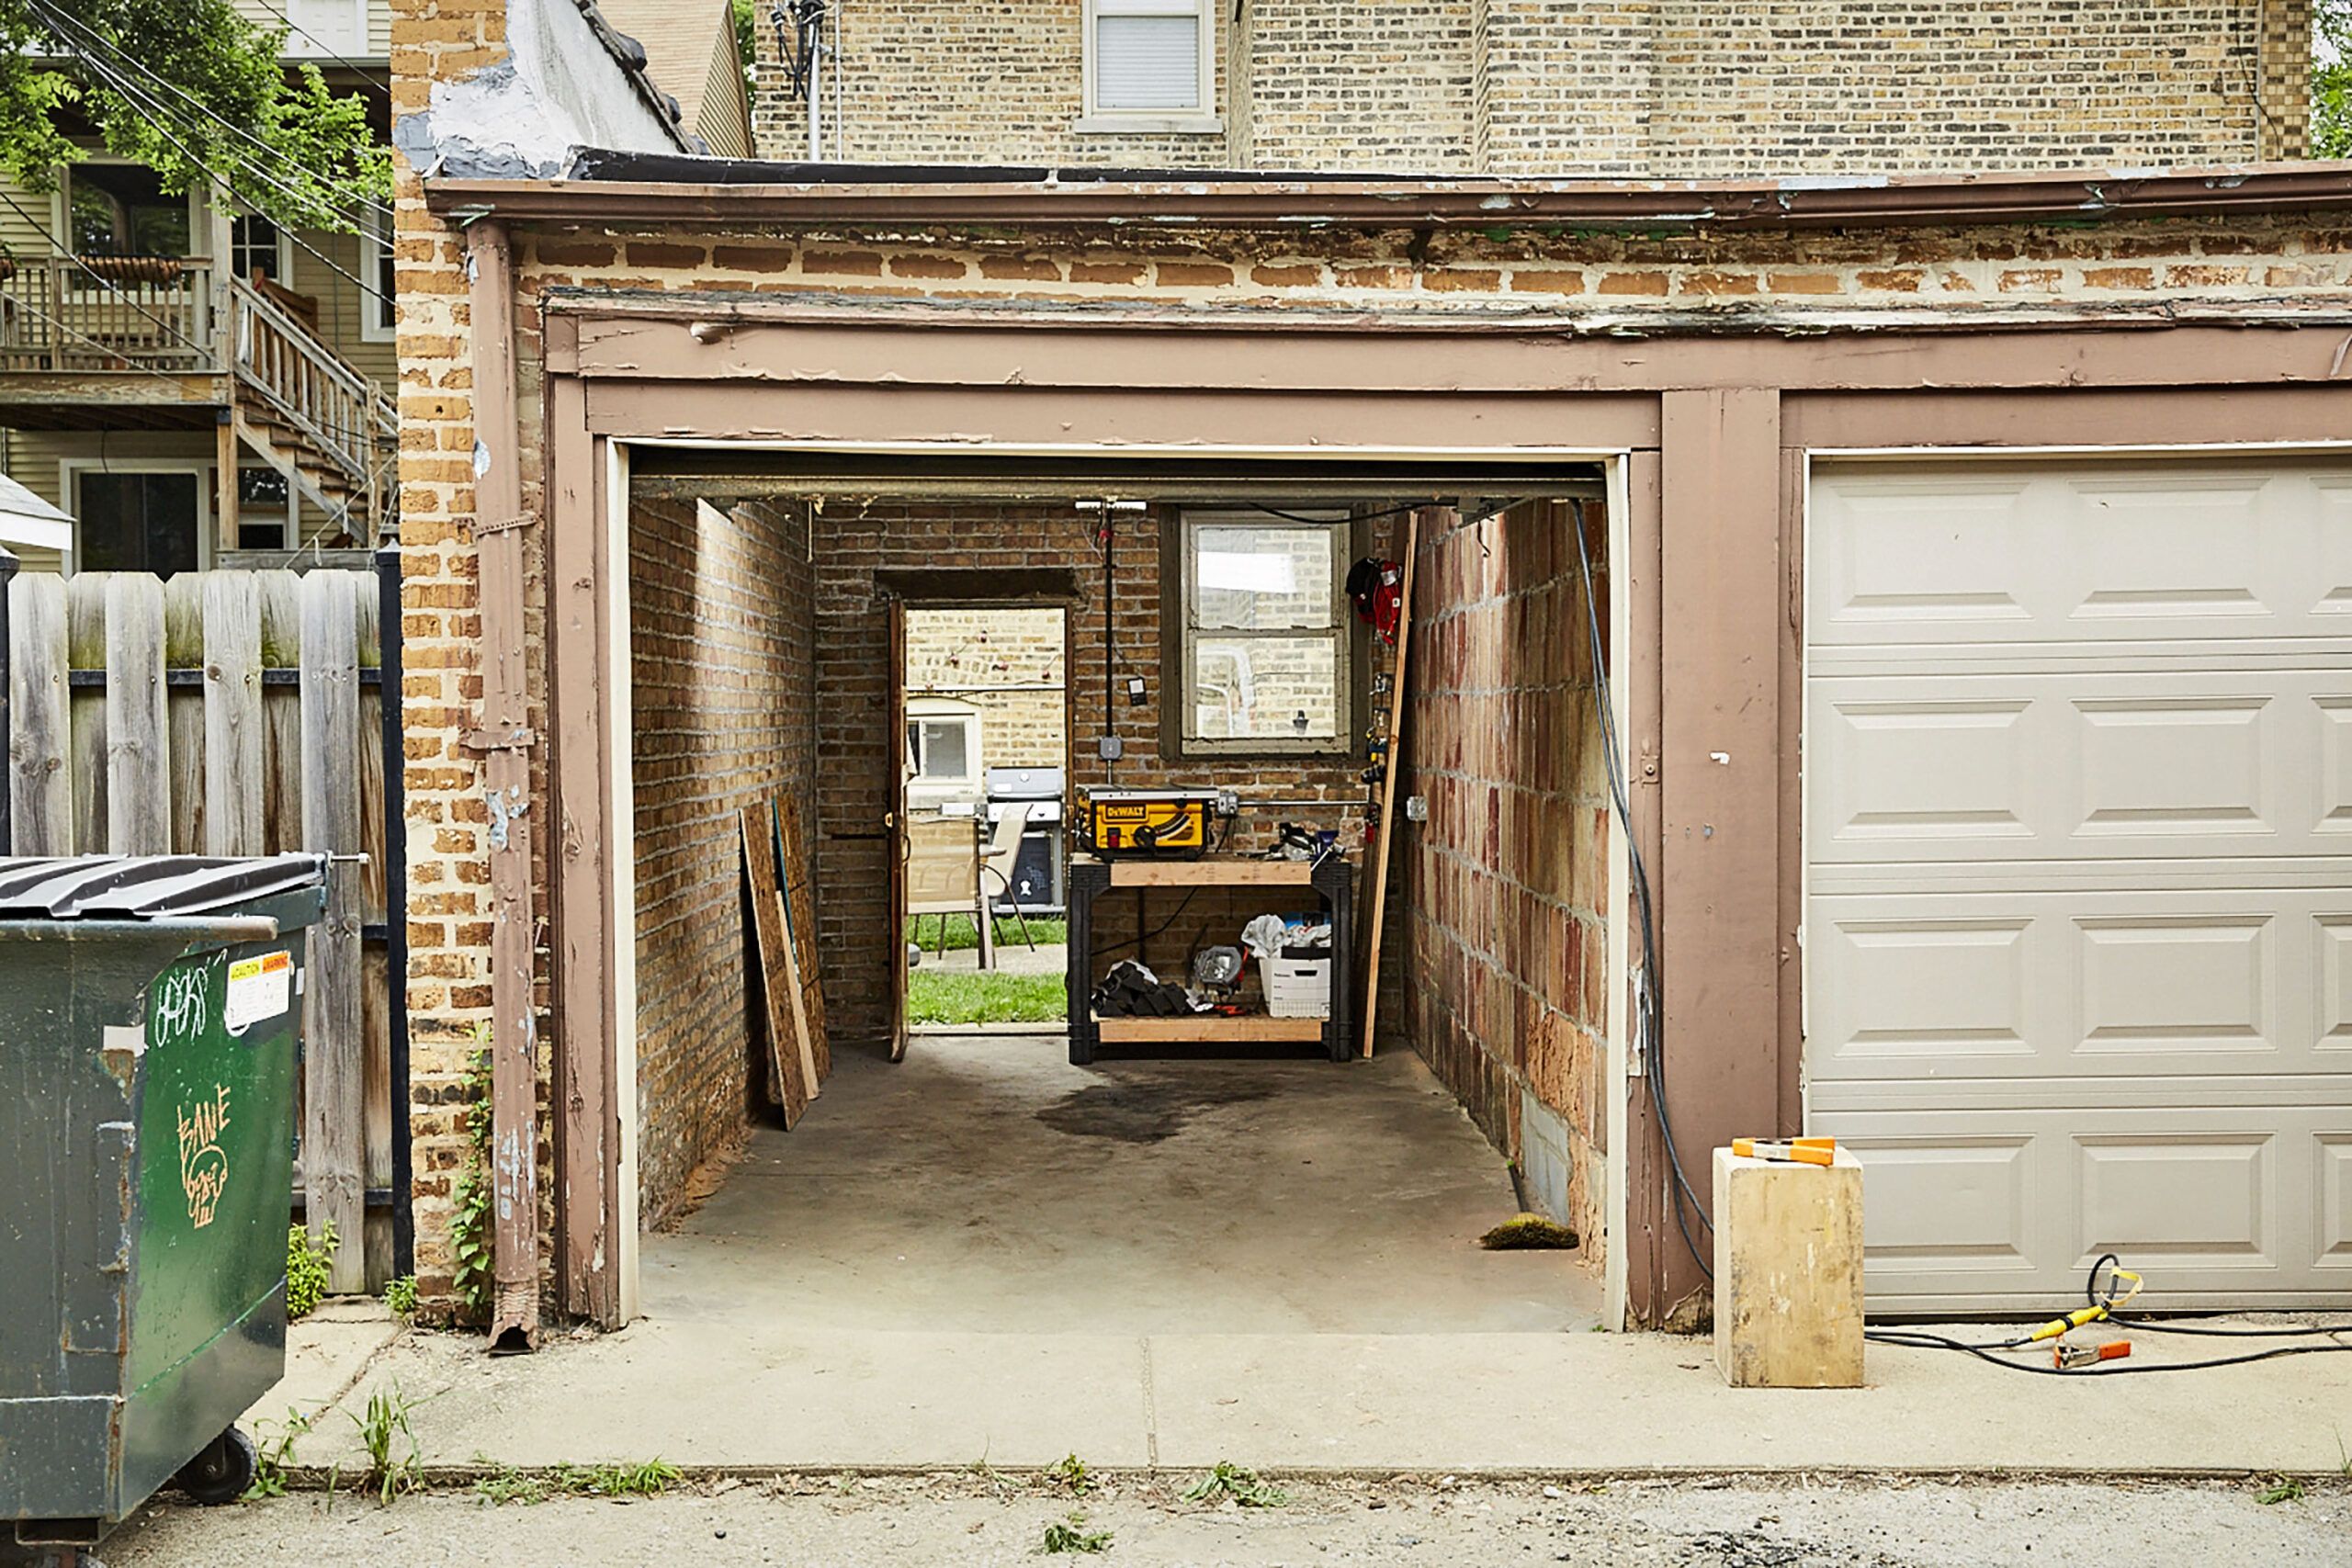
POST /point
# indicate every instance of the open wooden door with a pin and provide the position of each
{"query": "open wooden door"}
(900, 770)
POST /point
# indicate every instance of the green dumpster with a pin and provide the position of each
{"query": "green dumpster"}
(150, 1023)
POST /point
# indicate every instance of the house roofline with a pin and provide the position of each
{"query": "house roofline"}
(614, 187)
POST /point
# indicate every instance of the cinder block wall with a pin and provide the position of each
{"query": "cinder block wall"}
(1668, 89)
(1506, 885)
(722, 665)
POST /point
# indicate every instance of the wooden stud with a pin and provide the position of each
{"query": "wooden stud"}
(1212, 873)
(334, 1100)
(1207, 1028)
(788, 1080)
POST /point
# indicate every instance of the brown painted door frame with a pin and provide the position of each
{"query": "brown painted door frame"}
(896, 768)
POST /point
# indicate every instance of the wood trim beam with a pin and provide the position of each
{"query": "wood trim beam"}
(1719, 885)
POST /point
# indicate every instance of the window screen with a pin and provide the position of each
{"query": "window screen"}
(1147, 55)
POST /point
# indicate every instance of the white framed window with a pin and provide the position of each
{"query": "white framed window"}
(380, 316)
(1268, 654)
(256, 246)
(943, 749)
(325, 29)
(139, 514)
(1150, 65)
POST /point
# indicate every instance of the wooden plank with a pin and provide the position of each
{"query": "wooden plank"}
(801, 914)
(897, 772)
(1376, 856)
(183, 710)
(1234, 873)
(232, 714)
(787, 1087)
(796, 997)
(86, 643)
(39, 778)
(139, 779)
(334, 1154)
(280, 595)
(367, 617)
(1207, 1028)
(378, 1087)
(376, 1099)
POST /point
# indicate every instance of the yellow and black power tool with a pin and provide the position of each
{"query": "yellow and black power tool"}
(1168, 822)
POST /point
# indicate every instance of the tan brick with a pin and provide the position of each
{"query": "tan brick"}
(2118, 278)
(1191, 274)
(1649, 283)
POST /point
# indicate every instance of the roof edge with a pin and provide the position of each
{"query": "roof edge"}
(737, 191)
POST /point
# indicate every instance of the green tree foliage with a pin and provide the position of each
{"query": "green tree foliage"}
(193, 91)
(2332, 79)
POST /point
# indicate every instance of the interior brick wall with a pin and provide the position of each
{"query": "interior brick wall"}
(1669, 89)
(722, 660)
(1505, 886)
(852, 665)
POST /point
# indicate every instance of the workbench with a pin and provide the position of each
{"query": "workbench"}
(1333, 882)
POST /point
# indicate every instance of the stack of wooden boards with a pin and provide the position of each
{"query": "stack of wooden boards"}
(783, 925)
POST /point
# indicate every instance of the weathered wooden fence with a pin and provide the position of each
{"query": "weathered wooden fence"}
(239, 713)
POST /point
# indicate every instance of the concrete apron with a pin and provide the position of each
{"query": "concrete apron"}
(987, 1255)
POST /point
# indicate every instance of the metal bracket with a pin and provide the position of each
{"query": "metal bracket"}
(504, 525)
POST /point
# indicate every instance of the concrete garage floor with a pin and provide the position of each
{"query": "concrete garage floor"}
(986, 1186)
(983, 1253)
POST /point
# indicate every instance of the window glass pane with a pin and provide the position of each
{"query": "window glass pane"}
(138, 521)
(254, 246)
(1266, 688)
(1148, 63)
(1264, 578)
(943, 749)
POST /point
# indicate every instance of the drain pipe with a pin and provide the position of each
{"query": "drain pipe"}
(504, 741)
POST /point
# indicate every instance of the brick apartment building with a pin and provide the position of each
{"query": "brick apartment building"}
(1948, 399)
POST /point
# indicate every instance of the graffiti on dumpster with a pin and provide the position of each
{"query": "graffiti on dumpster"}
(204, 1167)
(181, 1001)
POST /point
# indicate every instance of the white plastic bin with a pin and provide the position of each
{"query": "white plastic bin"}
(1297, 987)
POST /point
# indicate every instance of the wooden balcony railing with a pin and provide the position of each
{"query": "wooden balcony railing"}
(306, 386)
(106, 313)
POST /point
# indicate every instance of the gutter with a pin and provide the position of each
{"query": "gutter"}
(503, 741)
(736, 191)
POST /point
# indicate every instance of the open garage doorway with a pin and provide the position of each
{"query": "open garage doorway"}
(984, 689)
(1378, 692)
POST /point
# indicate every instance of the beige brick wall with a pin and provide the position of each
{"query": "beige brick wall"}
(1669, 89)
(721, 656)
(975, 656)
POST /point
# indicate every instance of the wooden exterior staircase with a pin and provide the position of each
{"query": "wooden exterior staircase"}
(307, 412)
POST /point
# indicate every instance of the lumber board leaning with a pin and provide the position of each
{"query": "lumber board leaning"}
(139, 779)
(1376, 857)
(334, 1091)
(800, 915)
(232, 718)
(787, 1085)
(40, 788)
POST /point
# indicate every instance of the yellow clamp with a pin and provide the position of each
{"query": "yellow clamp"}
(1788, 1151)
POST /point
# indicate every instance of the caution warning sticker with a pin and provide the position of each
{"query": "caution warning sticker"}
(260, 989)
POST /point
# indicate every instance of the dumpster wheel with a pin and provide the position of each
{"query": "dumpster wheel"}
(220, 1472)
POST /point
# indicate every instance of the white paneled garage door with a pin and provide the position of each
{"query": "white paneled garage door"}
(2078, 846)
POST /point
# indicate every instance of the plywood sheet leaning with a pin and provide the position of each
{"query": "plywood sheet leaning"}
(1375, 858)
(787, 1083)
(800, 918)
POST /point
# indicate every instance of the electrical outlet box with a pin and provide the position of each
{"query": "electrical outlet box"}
(1417, 808)
(1109, 748)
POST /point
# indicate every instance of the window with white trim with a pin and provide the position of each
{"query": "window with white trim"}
(1150, 59)
(1267, 655)
(379, 304)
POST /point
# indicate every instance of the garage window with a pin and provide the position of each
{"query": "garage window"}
(1267, 661)
(1149, 65)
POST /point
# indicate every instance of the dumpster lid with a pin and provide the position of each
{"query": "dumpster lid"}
(142, 887)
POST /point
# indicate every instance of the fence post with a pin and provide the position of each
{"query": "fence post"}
(232, 714)
(334, 1046)
(388, 664)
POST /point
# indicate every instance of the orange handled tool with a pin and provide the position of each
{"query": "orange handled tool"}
(1788, 1151)
(2069, 1358)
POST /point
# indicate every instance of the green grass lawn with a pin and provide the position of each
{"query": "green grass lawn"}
(964, 933)
(992, 998)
